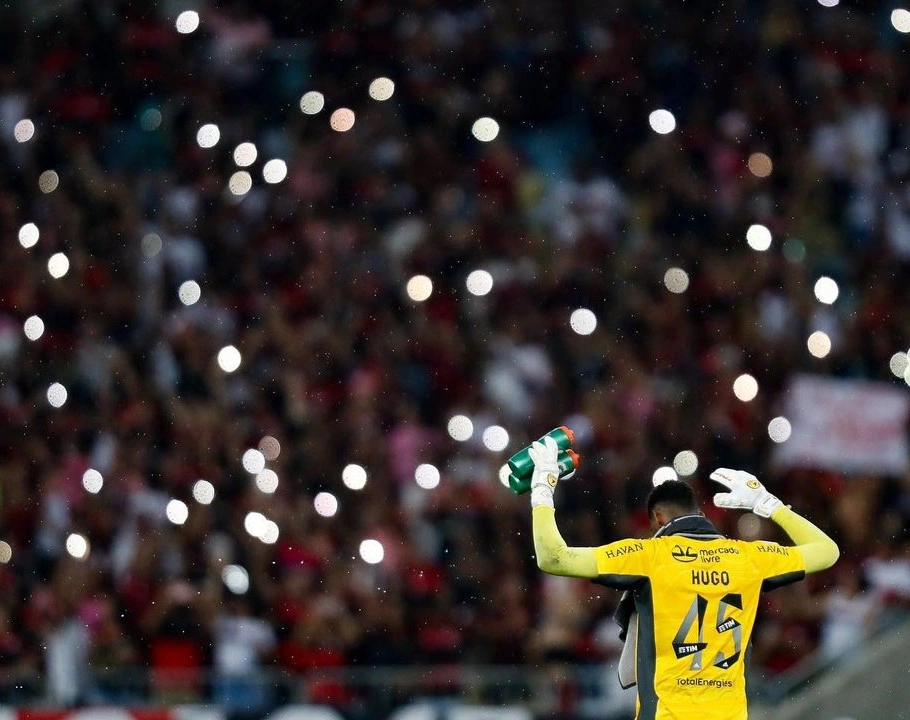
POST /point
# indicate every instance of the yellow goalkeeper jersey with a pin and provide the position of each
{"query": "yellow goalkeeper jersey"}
(696, 602)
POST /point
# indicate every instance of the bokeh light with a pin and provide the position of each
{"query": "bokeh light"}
(255, 523)
(274, 171)
(685, 463)
(427, 476)
(583, 321)
(819, 344)
(662, 122)
(203, 492)
(187, 22)
(240, 183)
(229, 358)
(745, 387)
(92, 481)
(253, 461)
(372, 551)
(485, 129)
(760, 164)
(354, 476)
(758, 237)
(325, 504)
(460, 428)
(270, 448)
(342, 120)
(151, 244)
(504, 472)
(312, 102)
(826, 290)
(382, 88)
(267, 481)
(676, 280)
(245, 154)
(495, 438)
(48, 181)
(28, 235)
(24, 130)
(270, 532)
(56, 395)
(779, 429)
(6, 552)
(33, 327)
(749, 527)
(189, 292)
(177, 511)
(208, 135)
(900, 19)
(663, 474)
(58, 265)
(77, 546)
(479, 282)
(236, 579)
(419, 288)
(899, 363)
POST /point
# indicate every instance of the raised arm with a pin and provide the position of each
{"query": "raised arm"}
(818, 551)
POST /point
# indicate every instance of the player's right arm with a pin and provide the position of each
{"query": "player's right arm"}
(817, 550)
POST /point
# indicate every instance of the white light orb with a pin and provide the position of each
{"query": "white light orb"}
(819, 344)
(479, 282)
(900, 19)
(274, 171)
(189, 292)
(342, 120)
(56, 395)
(176, 511)
(33, 327)
(662, 122)
(77, 546)
(354, 477)
(312, 102)
(899, 363)
(382, 88)
(245, 154)
(236, 579)
(48, 181)
(583, 321)
(485, 129)
(495, 438)
(28, 235)
(662, 475)
(826, 290)
(187, 22)
(270, 533)
(151, 244)
(779, 429)
(828, 3)
(255, 523)
(253, 461)
(758, 237)
(24, 130)
(267, 481)
(6, 552)
(270, 448)
(372, 551)
(325, 504)
(208, 135)
(504, 472)
(229, 358)
(92, 481)
(460, 428)
(58, 265)
(676, 280)
(745, 387)
(685, 463)
(427, 476)
(240, 183)
(419, 288)
(203, 492)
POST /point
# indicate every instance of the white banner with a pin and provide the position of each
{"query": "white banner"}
(848, 426)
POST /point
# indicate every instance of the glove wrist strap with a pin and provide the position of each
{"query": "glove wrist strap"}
(767, 505)
(541, 495)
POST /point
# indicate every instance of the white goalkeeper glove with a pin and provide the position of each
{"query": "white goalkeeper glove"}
(546, 471)
(746, 493)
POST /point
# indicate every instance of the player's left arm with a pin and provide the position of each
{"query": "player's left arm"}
(818, 551)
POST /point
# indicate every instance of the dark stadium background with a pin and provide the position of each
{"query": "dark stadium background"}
(576, 203)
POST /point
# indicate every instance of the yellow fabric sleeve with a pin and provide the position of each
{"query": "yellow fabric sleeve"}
(553, 555)
(818, 550)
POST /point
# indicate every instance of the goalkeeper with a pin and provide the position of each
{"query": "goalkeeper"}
(692, 594)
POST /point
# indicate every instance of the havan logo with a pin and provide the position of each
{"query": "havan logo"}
(685, 555)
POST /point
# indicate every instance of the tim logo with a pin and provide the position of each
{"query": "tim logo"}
(684, 555)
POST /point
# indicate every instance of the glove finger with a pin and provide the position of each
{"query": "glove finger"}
(537, 451)
(719, 476)
(551, 444)
(723, 500)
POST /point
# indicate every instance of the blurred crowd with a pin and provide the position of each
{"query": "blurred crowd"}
(577, 203)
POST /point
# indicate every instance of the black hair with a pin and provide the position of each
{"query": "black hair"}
(673, 492)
